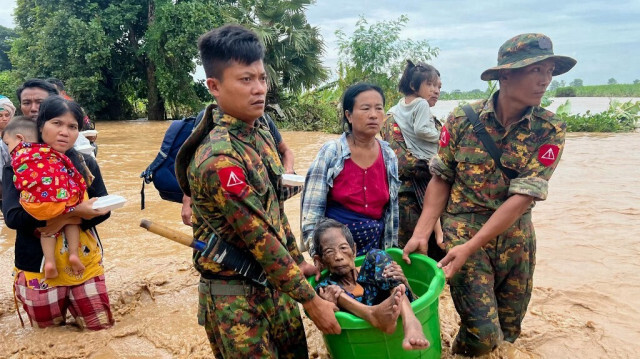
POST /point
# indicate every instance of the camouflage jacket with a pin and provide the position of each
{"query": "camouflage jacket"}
(409, 166)
(532, 147)
(233, 179)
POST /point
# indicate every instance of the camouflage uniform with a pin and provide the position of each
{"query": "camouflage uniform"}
(409, 167)
(233, 179)
(492, 290)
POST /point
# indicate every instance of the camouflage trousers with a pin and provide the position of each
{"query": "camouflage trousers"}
(409, 212)
(264, 323)
(492, 290)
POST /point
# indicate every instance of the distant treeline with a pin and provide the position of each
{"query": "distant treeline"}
(611, 90)
(614, 90)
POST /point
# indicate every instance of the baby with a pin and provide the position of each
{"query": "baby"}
(378, 293)
(49, 186)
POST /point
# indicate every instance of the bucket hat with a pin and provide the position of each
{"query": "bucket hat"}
(526, 49)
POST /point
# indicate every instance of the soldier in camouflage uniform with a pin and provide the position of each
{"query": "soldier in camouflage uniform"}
(230, 168)
(487, 220)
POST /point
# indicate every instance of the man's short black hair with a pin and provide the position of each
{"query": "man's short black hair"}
(42, 84)
(22, 125)
(227, 43)
(58, 83)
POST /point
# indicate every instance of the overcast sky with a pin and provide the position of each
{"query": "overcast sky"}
(604, 36)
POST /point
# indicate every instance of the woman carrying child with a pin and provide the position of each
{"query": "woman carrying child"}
(45, 299)
(49, 186)
(413, 133)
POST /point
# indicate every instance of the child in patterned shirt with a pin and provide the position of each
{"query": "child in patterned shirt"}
(49, 186)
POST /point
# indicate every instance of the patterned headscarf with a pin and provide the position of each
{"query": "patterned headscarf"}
(7, 105)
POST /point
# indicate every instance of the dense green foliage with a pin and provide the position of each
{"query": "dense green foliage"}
(373, 53)
(8, 85)
(317, 110)
(565, 92)
(617, 90)
(293, 47)
(376, 53)
(619, 117)
(6, 38)
(123, 58)
(129, 58)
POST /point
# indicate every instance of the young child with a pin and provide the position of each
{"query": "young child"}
(49, 186)
(378, 293)
(414, 138)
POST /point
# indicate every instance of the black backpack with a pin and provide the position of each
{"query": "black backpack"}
(162, 170)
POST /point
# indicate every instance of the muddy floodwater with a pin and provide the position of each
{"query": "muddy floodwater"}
(585, 302)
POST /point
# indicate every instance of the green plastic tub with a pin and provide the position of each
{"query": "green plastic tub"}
(360, 340)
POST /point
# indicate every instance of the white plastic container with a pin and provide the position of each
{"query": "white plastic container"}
(86, 149)
(109, 202)
(292, 180)
(89, 133)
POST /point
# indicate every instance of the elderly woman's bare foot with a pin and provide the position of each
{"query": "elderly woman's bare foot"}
(384, 316)
(414, 338)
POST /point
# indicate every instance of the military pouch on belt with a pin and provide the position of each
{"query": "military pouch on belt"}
(232, 257)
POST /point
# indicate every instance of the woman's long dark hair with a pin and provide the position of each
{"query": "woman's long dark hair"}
(349, 99)
(56, 106)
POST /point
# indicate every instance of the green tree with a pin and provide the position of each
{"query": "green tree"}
(636, 81)
(293, 47)
(7, 36)
(375, 53)
(170, 44)
(111, 54)
(8, 85)
(576, 83)
(554, 85)
(612, 81)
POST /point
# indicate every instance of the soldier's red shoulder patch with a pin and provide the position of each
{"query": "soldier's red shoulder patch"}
(548, 154)
(444, 137)
(232, 179)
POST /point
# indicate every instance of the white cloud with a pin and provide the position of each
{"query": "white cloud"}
(603, 36)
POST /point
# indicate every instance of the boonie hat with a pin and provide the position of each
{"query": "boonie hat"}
(526, 49)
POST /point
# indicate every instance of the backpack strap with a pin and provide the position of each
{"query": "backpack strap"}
(190, 145)
(480, 130)
(165, 148)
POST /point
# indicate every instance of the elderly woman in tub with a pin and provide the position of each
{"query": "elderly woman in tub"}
(378, 293)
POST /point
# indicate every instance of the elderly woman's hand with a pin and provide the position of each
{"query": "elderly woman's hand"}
(85, 209)
(394, 271)
(330, 293)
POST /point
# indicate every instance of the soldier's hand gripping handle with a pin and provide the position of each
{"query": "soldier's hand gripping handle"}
(322, 314)
(415, 244)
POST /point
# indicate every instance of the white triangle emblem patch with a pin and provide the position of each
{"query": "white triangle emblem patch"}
(234, 180)
(549, 155)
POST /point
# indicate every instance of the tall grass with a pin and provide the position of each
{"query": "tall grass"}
(618, 90)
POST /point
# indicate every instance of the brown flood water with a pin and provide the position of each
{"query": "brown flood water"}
(587, 282)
